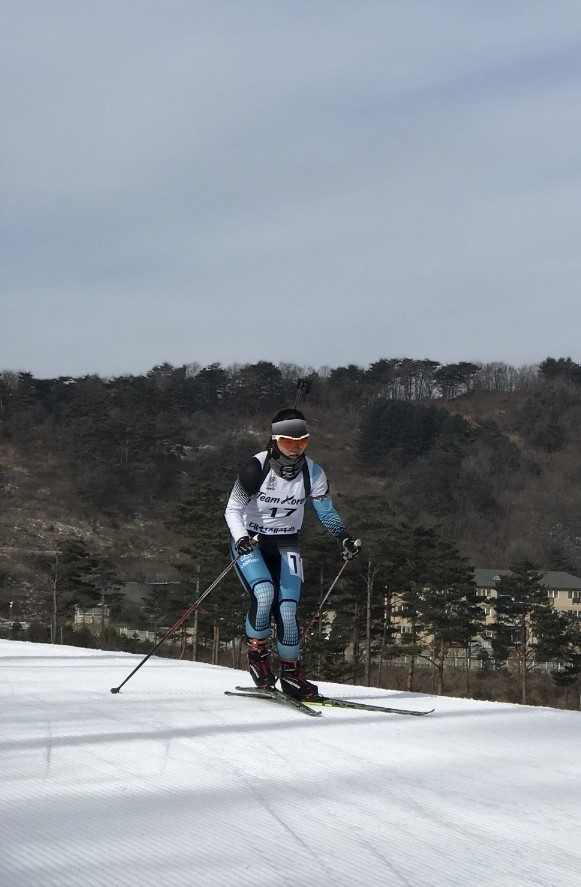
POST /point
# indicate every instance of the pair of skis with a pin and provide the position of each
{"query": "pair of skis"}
(324, 701)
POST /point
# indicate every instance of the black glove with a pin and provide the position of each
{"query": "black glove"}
(350, 548)
(244, 546)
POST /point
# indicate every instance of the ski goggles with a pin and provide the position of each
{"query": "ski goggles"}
(290, 446)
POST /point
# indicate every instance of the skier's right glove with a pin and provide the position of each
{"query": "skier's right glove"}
(244, 546)
(350, 548)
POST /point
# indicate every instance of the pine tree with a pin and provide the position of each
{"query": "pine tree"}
(569, 675)
(524, 614)
(199, 518)
(77, 577)
(449, 614)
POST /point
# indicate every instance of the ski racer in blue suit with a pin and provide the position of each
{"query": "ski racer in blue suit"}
(268, 502)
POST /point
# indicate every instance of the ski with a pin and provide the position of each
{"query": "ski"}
(328, 701)
(333, 702)
(275, 696)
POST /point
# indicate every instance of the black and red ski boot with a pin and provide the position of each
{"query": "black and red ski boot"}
(259, 664)
(293, 683)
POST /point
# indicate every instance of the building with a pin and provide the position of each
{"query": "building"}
(93, 618)
(10, 626)
(563, 589)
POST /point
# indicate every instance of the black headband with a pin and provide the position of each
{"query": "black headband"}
(296, 428)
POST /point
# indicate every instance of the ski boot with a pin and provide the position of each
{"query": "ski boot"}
(259, 664)
(293, 683)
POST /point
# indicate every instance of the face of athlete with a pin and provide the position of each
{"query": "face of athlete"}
(292, 447)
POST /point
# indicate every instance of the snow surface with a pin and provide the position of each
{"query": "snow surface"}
(172, 783)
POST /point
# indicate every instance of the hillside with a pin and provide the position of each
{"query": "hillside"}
(111, 462)
(42, 508)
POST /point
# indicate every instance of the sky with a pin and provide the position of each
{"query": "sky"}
(170, 783)
(317, 182)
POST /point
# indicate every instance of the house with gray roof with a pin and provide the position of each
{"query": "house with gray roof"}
(563, 589)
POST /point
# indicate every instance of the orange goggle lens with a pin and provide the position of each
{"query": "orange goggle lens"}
(291, 445)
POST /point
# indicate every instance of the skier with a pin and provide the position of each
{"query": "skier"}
(268, 501)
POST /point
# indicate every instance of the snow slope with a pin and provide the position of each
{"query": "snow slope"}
(172, 783)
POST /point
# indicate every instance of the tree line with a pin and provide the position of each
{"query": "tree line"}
(171, 442)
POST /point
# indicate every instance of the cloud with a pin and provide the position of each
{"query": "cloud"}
(317, 183)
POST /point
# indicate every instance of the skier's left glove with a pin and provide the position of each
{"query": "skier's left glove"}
(351, 548)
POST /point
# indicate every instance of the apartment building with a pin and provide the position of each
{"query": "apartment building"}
(563, 589)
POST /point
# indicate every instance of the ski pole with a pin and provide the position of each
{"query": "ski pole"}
(182, 618)
(303, 385)
(317, 612)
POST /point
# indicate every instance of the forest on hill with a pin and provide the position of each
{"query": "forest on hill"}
(106, 482)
